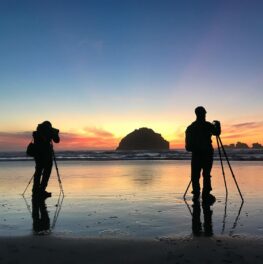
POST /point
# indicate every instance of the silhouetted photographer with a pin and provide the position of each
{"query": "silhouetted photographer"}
(198, 141)
(43, 138)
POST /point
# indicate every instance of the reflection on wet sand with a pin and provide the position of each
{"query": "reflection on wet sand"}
(197, 228)
(41, 221)
(207, 228)
(58, 208)
(40, 215)
(134, 199)
(236, 220)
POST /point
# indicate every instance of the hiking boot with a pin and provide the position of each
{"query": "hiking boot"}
(46, 194)
(208, 198)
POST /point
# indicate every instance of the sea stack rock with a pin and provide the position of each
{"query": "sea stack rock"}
(143, 139)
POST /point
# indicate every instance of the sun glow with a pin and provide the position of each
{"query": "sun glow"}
(79, 134)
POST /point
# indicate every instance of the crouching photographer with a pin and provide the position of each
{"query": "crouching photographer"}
(44, 135)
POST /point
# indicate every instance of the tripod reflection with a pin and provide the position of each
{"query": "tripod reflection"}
(231, 232)
(206, 228)
(58, 208)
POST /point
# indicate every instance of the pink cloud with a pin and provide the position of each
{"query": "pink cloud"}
(96, 139)
(11, 141)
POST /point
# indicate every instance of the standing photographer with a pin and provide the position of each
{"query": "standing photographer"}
(43, 137)
(198, 141)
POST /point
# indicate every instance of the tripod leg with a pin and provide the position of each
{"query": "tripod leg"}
(28, 185)
(187, 189)
(233, 175)
(221, 162)
(59, 179)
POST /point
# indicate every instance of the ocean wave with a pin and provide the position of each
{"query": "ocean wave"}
(235, 154)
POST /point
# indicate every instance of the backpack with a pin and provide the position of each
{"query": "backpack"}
(31, 149)
(190, 139)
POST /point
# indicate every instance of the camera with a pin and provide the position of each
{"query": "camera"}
(47, 129)
(216, 123)
(217, 126)
(54, 131)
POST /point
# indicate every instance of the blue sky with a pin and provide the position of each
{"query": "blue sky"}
(118, 65)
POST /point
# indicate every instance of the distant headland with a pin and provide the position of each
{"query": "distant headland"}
(143, 139)
(241, 145)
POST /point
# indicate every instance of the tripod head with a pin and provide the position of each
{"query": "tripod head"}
(216, 123)
(217, 127)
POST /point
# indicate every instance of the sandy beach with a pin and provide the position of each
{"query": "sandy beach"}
(37, 249)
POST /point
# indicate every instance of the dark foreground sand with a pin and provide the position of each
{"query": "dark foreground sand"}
(48, 249)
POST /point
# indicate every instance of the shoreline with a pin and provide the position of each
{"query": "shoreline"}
(127, 159)
(53, 249)
(143, 155)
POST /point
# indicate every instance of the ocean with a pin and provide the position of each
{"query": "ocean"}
(233, 154)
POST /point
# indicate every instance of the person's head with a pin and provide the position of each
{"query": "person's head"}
(47, 124)
(45, 127)
(200, 113)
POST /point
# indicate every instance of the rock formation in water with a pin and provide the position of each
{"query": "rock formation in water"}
(143, 139)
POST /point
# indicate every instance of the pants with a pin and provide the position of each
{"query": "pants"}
(201, 162)
(43, 168)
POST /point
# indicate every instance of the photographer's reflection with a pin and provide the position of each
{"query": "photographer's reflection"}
(41, 221)
(197, 228)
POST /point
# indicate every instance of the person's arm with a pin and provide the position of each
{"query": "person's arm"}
(55, 136)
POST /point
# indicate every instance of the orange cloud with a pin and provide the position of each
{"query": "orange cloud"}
(248, 132)
(100, 140)
(98, 132)
(93, 138)
(248, 125)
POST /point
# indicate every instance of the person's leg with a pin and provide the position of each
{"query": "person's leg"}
(46, 173)
(207, 167)
(207, 161)
(195, 174)
(37, 175)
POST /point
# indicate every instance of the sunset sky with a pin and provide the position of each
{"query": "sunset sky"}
(100, 69)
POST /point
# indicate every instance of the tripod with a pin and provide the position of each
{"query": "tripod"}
(221, 147)
(58, 175)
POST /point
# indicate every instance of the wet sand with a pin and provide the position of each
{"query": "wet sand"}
(48, 249)
(131, 212)
(131, 200)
